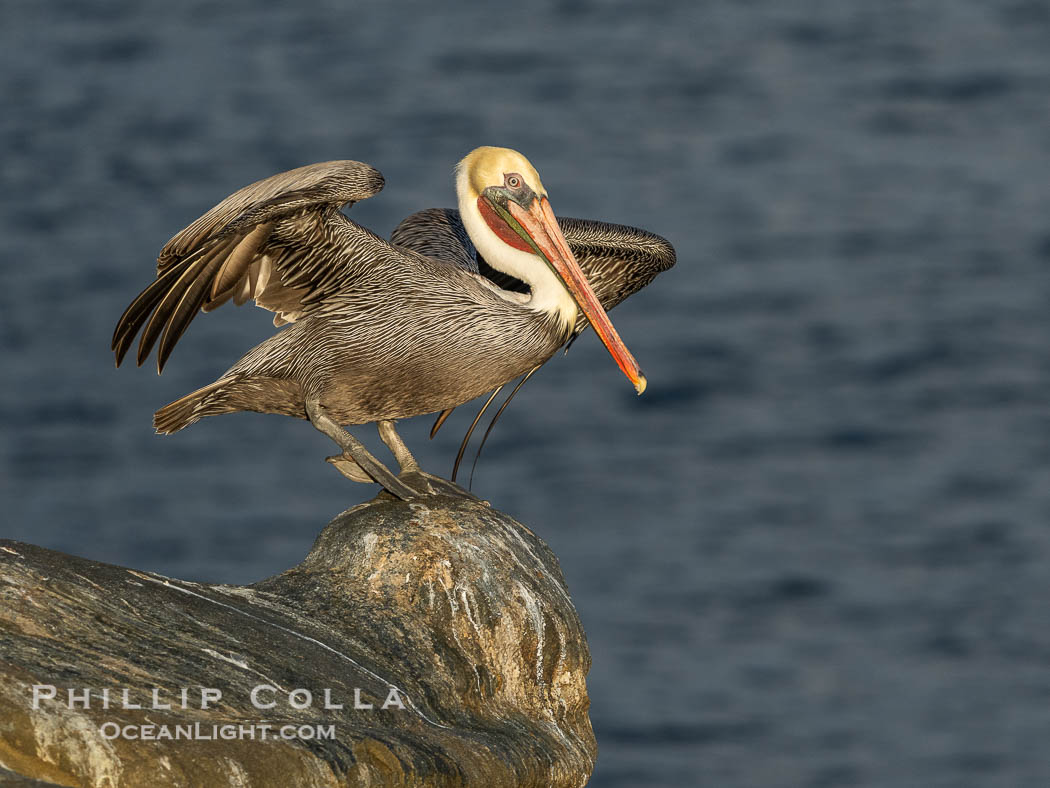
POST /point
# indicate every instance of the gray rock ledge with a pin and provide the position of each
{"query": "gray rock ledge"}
(447, 606)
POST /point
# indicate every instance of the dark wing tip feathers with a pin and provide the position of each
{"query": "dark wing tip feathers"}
(139, 310)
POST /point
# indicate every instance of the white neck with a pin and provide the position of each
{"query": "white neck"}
(548, 293)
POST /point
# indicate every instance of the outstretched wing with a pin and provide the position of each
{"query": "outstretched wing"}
(617, 260)
(281, 241)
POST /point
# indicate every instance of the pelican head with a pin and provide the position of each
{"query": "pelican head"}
(508, 217)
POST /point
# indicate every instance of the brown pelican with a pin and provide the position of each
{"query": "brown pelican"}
(378, 331)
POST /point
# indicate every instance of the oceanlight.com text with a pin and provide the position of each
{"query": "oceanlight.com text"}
(256, 731)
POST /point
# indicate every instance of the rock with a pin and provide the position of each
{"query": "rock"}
(449, 613)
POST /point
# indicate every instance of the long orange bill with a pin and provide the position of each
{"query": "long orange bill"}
(539, 222)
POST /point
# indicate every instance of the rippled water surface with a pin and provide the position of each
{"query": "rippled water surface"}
(816, 552)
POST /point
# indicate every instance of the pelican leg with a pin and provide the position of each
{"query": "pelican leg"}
(397, 446)
(410, 470)
(365, 461)
(409, 466)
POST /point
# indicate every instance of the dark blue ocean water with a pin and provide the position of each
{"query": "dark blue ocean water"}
(817, 551)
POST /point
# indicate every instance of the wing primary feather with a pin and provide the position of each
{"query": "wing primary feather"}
(164, 309)
(440, 420)
(492, 423)
(239, 259)
(139, 310)
(213, 304)
(466, 438)
(190, 303)
(243, 291)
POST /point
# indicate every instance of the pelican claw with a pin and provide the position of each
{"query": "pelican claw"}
(348, 466)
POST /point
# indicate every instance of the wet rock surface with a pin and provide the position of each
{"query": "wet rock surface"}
(441, 628)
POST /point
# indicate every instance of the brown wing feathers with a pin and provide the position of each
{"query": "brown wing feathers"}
(236, 265)
(227, 253)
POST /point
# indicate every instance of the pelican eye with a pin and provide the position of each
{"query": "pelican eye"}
(514, 181)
